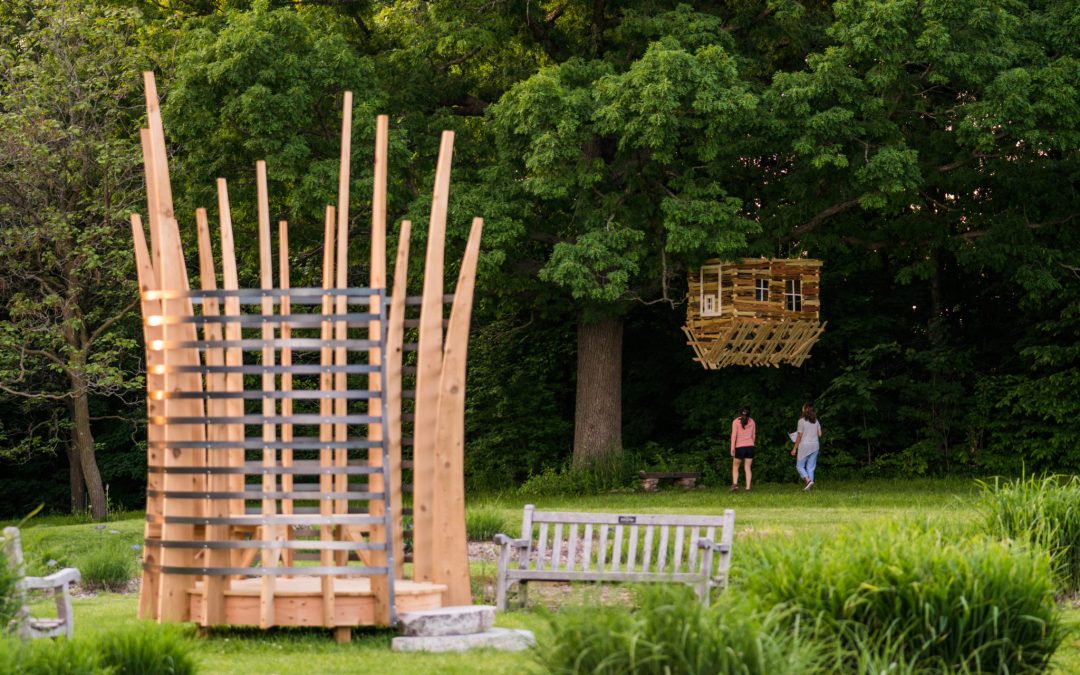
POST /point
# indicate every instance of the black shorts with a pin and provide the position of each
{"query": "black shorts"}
(745, 452)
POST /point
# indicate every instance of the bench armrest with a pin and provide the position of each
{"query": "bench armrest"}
(717, 548)
(505, 540)
(59, 579)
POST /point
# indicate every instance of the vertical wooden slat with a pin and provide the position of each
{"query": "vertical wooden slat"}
(326, 431)
(556, 548)
(286, 382)
(376, 507)
(616, 549)
(394, 351)
(174, 604)
(695, 534)
(269, 407)
(601, 555)
(661, 558)
(230, 281)
(631, 555)
(341, 431)
(541, 546)
(429, 372)
(646, 555)
(571, 548)
(448, 498)
(214, 586)
(526, 534)
(679, 536)
(586, 557)
(148, 590)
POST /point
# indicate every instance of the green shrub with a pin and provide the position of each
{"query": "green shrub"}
(48, 657)
(937, 603)
(484, 524)
(147, 650)
(1044, 511)
(617, 472)
(109, 566)
(672, 634)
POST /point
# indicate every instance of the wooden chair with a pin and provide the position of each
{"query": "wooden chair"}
(59, 584)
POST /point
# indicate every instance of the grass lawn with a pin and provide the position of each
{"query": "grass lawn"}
(769, 510)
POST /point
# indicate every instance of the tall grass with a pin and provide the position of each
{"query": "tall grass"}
(109, 566)
(484, 523)
(1044, 511)
(973, 604)
(9, 601)
(147, 649)
(670, 633)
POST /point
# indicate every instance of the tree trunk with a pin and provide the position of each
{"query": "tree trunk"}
(75, 476)
(84, 447)
(598, 405)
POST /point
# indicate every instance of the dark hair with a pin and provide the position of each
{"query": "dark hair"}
(809, 413)
(744, 412)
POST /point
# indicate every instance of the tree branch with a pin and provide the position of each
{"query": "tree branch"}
(821, 216)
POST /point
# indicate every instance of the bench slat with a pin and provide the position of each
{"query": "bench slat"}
(601, 555)
(617, 550)
(571, 549)
(541, 545)
(549, 575)
(631, 556)
(680, 534)
(613, 519)
(661, 561)
(556, 547)
(646, 556)
(694, 536)
(586, 561)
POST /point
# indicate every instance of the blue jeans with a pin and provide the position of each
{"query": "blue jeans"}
(806, 466)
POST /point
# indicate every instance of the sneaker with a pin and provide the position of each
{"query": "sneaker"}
(734, 488)
(809, 484)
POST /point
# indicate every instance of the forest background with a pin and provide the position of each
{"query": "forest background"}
(927, 150)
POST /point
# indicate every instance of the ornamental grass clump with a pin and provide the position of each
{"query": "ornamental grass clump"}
(9, 600)
(670, 633)
(107, 567)
(1044, 512)
(484, 524)
(974, 604)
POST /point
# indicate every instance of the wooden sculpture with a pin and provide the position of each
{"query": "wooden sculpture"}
(753, 312)
(274, 494)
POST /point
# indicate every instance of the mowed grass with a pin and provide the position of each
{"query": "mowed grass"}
(769, 510)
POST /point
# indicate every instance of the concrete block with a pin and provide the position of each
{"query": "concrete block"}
(459, 620)
(499, 639)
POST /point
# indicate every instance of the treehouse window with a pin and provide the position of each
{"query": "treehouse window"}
(793, 295)
(710, 278)
(761, 290)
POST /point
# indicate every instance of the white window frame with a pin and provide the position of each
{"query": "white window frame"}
(793, 297)
(761, 290)
(715, 303)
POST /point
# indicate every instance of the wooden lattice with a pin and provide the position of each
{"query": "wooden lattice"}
(753, 312)
(275, 490)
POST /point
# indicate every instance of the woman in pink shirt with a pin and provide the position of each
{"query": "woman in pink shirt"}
(743, 431)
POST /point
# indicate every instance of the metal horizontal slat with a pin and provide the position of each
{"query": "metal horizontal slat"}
(259, 294)
(252, 344)
(258, 494)
(258, 394)
(295, 369)
(292, 544)
(297, 443)
(256, 468)
(268, 571)
(271, 519)
(353, 319)
(299, 420)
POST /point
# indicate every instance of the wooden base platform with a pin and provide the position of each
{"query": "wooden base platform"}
(298, 601)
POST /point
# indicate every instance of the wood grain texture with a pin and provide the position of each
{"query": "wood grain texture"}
(395, 338)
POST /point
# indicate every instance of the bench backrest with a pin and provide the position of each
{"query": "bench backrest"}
(595, 544)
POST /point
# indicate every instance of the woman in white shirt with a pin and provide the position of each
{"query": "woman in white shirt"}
(807, 444)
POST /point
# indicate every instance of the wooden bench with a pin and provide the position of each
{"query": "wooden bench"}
(565, 546)
(59, 584)
(650, 480)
